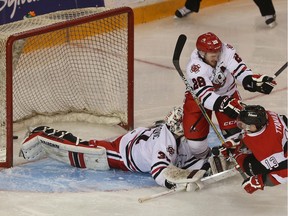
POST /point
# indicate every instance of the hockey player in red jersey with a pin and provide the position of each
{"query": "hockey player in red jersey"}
(265, 137)
(212, 72)
(160, 150)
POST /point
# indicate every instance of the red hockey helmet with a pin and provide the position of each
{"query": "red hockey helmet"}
(208, 42)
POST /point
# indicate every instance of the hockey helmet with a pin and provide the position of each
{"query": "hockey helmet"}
(253, 115)
(208, 42)
(174, 121)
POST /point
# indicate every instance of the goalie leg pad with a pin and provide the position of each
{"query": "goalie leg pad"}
(31, 148)
(66, 136)
(80, 156)
(65, 147)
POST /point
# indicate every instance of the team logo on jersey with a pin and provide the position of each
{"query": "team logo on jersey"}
(170, 150)
(195, 68)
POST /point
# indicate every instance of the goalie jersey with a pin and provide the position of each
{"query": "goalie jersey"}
(153, 150)
(140, 150)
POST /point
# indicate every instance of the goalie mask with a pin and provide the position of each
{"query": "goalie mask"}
(174, 121)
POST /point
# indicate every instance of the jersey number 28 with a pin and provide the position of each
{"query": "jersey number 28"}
(198, 82)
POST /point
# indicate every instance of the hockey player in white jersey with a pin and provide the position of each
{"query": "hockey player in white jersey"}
(213, 71)
(158, 150)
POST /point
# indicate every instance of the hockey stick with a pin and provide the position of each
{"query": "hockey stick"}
(280, 70)
(204, 181)
(176, 58)
(210, 179)
(143, 199)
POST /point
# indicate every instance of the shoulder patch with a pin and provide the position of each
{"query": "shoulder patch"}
(195, 68)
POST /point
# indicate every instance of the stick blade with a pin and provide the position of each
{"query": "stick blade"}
(179, 47)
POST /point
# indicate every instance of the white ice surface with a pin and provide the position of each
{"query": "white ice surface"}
(158, 88)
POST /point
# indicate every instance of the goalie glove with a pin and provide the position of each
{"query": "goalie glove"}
(229, 106)
(195, 177)
(260, 83)
(191, 186)
(176, 177)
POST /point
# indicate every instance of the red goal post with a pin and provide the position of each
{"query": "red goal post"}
(72, 65)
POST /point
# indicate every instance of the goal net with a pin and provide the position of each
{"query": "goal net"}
(72, 65)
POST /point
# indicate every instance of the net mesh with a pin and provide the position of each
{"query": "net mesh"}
(78, 72)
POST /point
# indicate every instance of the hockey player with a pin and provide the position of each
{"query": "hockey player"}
(189, 7)
(160, 150)
(265, 136)
(266, 8)
(212, 72)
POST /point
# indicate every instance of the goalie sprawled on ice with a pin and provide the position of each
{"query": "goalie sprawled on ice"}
(161, 150)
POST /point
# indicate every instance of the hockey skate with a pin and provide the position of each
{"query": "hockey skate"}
(271, 21)
(181, 12)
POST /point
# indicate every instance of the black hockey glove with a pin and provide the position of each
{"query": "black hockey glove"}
(259, 83)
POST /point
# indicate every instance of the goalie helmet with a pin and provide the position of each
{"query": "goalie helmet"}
(208, 42)
(174, 121)
(254, 115)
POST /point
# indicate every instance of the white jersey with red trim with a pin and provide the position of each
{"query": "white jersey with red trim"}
(269, 146)
(140, 150)
(209, 83)
(153, 149)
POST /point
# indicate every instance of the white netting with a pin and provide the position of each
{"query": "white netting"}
(78, 72)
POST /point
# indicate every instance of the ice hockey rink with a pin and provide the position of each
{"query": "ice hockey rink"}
(158, 88)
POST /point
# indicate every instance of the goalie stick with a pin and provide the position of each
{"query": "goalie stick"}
(204, 181)
(176, 58)
(210, 179)
(143, 199)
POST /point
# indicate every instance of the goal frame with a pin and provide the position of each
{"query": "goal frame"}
(38, 31)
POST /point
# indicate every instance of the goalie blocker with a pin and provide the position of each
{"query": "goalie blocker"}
(63, 146)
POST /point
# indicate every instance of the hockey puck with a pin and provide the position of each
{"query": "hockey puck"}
(15, 137)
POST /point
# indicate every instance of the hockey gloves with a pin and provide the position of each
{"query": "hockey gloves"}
(196, 176)
(229, 106)
(188, 180)
(253, 184)
(192, 184)
(259, 83)
(229, 148)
